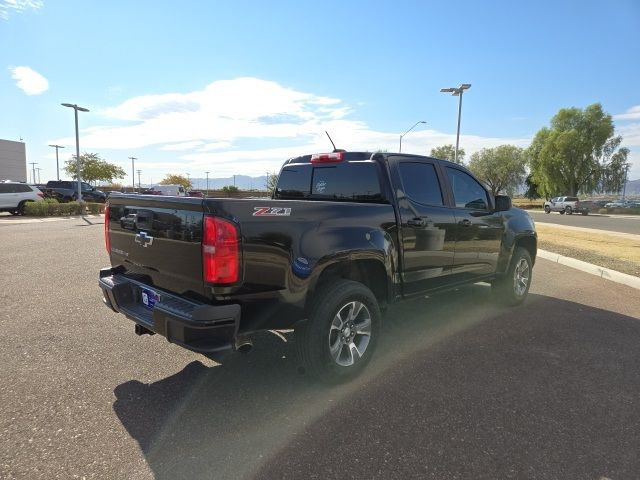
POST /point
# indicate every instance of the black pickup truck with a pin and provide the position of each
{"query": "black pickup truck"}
(67, 191)
(345, 234)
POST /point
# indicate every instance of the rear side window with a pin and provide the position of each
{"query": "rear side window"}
(420, 183)
(357, 181)
(6, 188)
(21, 188)
(467, 191)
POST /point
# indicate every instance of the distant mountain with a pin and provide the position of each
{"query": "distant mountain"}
(633, 187)
(243, 182)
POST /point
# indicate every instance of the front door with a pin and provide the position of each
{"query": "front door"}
(479, 229)
(427, 225)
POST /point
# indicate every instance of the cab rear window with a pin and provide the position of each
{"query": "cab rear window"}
(353, 181)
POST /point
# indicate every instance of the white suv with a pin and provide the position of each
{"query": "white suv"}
(13, 196)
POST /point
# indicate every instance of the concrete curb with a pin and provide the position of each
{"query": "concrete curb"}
(607, 274)
(23, 220)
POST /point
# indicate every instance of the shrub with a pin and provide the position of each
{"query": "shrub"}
(52, 209)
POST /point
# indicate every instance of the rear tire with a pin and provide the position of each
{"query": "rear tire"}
(512, 288)
(585, 213)
(20, 209)
(339, 337)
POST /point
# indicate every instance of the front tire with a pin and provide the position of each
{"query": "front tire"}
(512, 288)
(341, 333)
(547, 209)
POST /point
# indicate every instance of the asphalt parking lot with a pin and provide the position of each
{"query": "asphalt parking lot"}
(460, 388)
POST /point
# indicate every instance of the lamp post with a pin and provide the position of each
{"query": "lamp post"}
(139, 172)
(416, 124)
(38, 170)
(133, 172)
(33, 168)
(75, 109)
(457, 92)
(57, 163)
(207, 183)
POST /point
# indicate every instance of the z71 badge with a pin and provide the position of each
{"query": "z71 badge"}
(271, 212)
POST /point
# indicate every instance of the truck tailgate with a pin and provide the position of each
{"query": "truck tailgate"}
(158, 239)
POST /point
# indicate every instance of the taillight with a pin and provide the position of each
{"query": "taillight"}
(220, 251)
(327, 157)
(107, 241)
(40, 194)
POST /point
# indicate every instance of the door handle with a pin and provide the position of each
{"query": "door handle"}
(416, 222)
(465, 223)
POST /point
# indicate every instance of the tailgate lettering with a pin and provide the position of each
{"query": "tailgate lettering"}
(271, 212)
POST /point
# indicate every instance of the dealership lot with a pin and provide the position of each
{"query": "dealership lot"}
(546, 390)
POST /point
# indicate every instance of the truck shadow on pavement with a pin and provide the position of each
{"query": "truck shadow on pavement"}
(458, 389)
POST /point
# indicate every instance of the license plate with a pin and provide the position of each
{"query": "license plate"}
(149, 298)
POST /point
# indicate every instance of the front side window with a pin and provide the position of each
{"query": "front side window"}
(420, 183)
(467, 191)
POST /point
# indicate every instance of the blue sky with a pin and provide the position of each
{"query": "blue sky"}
(239, 86)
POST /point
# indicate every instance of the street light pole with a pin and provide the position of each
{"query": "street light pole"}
(57, 163)
(33, 168)
(457, 92)
(416, 124)
(139, 172)
(207, 183)
(75, 109)
(38, 169)
(133, 171)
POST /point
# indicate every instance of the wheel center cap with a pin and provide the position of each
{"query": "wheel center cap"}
(347, 331)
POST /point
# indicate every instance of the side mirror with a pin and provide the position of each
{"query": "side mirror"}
(503, 203)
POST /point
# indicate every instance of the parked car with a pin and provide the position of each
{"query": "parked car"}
(67, 191)
(345, 234)
(171, 190)
(622, 204)
(14, 196)
(568, 205)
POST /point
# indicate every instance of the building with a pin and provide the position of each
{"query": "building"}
(13, 161)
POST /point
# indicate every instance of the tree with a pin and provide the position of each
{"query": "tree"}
(175, 179)
(272, 182)
(532, 188)
(501, 168)
(230, 189)
(448, 152)
(93, 169)
(579, 152)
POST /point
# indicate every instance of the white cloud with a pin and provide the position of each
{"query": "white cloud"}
(249, 126)
(632, 114)
(18, 6)
(630, 134)
(29, 81)
(182, 146)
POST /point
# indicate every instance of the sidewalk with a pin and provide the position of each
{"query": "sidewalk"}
(16, 220)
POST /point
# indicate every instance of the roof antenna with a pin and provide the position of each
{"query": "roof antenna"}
(335, 150)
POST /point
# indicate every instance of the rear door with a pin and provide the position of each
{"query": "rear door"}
(479, 229)
(159, 238)
(427, 226)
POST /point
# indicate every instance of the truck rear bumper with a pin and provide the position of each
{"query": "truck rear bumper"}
(196, 326)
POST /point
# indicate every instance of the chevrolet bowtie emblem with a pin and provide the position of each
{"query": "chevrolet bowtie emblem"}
(143, 239)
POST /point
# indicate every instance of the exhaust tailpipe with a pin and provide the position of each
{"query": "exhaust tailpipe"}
(140, 330)
(243, 344)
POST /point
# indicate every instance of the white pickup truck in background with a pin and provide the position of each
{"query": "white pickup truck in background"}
(568, 205)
